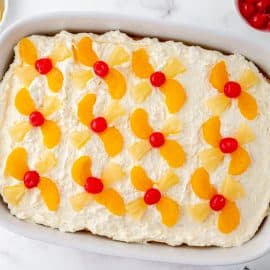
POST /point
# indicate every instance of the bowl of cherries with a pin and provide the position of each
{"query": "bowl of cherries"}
(256, 13)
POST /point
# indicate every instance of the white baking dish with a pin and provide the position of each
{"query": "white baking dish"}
(93, 22)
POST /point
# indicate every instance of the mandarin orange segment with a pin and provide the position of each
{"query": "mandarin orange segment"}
(80, 138)
(27, 51)
(49, 193)
(169, 211)
(167, 181)
(199, 211)
(16, 164)
(232, 189)
(173, 68)
(51, 133)
(248, 79)
(19, 130)
(112, 173)
(244, 134)
(139, 179)
(26, 74)
(211, 131)
(81, 170)
(219, 76)
(85, 109)
(211, 158)
(112, 140)
(55, 79)
(240, 161)
(140, 64)
(173, 153)
(139, 149)
(247, 105)
(47, 162)
(175, 95)
(112, 200)
(139, 124)
(200, 183)
(13, 194)
(229, 218)
(218, 104)
(136, 208)
(116, 83)
(84, 52)
(118, 56)
(81, 77)
(24, 102)
(80, 201)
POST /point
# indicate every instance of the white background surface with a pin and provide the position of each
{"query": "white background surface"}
(17, 252)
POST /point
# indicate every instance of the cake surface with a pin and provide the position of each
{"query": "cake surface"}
(136, 140)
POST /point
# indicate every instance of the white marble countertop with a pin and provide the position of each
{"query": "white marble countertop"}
(17, 252)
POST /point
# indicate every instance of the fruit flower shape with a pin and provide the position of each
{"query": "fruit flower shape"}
(32, 66)
(16, 167)
(170, 150)
(232, 90)
(99, 125)
(223, 203)
(85, 55)
(168, 208)
(222, 146)
(95, 188)
(174, 92)
(49, 129)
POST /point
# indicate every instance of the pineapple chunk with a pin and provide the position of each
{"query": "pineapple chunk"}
(173, 67)
(114, 111)
(51, 105)
(46, 163)
(80, 138)
(13, 194)
(139, 149)
(218, 104)
(248, 79)
(112, 173)
(26, 74)
(167, 181)
(136, 208)
(18, 131)
(118, 56)
(244, 134)
(81, 200)
(60, 53)
(141, 91)
(199, 211)
(211, 158)
(232, 189)
(172, 126)
(80, 78)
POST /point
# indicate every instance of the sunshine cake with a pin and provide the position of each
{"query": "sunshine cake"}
(136, 140)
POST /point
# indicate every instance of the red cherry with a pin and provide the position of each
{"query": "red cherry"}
(157, 78)
(152, 196)
(268, 25)
(93, 185)
(262, 6)
(101, 69)
(156, 139)
(258, 21)
(98, 124)
(247, 9)
(228, 145)
(250, 1)
(217, 202)
(31, 179)
(232, 89)
(36, 119)
(43, 65)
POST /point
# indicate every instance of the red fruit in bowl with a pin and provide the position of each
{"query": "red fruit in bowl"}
(247, 9)
(258, 21)
(262, 6)
(250, 1)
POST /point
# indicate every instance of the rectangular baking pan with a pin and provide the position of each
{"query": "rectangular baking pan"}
(95, 22)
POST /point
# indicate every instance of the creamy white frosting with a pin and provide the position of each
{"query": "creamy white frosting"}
(96, 218)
